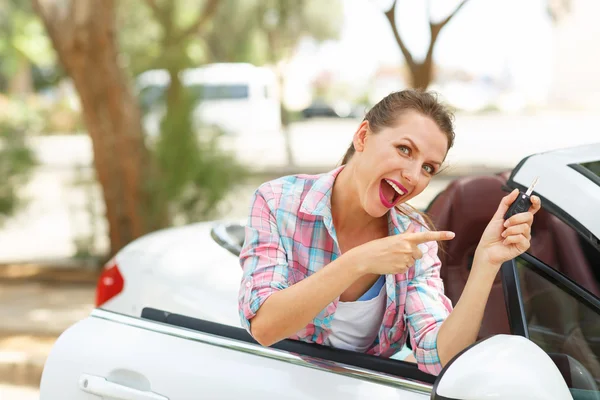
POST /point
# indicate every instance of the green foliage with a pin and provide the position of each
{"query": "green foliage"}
(266, 31)
(23, 41)
(16, 158)
(195, 174)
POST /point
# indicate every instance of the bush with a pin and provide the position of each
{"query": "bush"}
(16, 158)
(195, 173)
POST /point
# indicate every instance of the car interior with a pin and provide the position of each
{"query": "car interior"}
(466, 206)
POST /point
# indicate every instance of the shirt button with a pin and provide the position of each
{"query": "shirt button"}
(248, 284)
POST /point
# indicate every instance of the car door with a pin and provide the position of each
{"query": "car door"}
(114, 356)
(558, 315)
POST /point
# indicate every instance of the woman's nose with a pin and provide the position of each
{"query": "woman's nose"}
(411, 177)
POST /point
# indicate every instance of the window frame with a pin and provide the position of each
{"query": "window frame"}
(396, 373)
(586, 172)
(552, 207)
(512, 290)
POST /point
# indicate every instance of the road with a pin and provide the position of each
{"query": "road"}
(10, 392)
(33, 315)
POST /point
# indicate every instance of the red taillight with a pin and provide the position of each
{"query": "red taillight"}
(110, 283)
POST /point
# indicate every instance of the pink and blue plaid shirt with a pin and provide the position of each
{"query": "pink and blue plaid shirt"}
(290, 235)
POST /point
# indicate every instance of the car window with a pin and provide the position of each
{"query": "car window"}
(560, 246)
(565, 325)
(221, 91)
(593, 167)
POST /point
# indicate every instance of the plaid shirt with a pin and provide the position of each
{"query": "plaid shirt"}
(290, 235)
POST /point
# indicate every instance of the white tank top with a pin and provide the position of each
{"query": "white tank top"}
(355, 324)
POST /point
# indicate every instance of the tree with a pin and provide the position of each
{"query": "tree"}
(256, 31)
(83, 35)
(23, 44)
(421, 72)
(268, 32)
(285, 23)
(176, 39)
(195, 173)
(16, 157)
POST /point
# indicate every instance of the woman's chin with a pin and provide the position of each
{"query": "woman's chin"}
(376, 210)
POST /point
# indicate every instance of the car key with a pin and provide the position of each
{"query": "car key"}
(522, 203)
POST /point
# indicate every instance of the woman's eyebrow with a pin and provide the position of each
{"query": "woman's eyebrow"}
(418, 151)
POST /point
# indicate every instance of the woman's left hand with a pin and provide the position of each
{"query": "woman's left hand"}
(504, 240)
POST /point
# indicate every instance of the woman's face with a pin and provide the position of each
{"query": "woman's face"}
(397, 163)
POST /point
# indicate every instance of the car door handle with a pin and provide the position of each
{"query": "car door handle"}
(101, 387)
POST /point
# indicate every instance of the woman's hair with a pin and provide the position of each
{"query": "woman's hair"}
(387, 113)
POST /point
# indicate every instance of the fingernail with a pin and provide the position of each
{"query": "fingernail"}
(450, 235)
(504, 234)
(506, 224)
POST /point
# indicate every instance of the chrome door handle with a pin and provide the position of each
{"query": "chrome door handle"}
(101, 387)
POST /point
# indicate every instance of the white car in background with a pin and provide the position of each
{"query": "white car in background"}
(237, 98)
(167, 324)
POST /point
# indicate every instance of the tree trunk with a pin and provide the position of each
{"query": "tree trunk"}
(421, 75)
(21, 82)
(83, 34)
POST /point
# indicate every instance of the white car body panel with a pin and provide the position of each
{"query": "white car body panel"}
(495, 357)
(206, 275)
(172, 362)
(567, 188)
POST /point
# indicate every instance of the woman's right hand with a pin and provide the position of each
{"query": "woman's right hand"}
(395, 254)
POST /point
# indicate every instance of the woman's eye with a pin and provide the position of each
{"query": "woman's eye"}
(404, 149)
(428, 168)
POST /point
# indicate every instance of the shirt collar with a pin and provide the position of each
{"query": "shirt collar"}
(318, 198)
(398, 221)
(318, 202)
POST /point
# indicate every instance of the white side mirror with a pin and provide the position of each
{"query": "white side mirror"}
(502, 367)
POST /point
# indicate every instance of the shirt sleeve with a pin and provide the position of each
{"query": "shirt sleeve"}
(262, 258)
(427, 307)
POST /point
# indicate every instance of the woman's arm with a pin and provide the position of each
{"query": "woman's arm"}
(462, 326)
(270, 308)
(287, 311)
(501, 241)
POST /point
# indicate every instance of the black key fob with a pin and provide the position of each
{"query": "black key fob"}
(522, 203)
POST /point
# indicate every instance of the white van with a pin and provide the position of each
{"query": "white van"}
(238, 98)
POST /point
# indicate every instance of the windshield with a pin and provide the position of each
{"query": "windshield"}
(155, 94)
(220, 91)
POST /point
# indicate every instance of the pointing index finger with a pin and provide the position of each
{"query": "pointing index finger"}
(424, 237)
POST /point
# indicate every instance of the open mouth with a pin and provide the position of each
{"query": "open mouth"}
(390, 192)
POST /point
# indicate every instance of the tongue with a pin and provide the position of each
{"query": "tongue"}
(388, 192)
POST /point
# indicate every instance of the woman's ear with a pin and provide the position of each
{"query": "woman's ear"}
(360, 136)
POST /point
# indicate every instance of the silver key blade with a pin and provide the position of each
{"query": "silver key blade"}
(530, 189)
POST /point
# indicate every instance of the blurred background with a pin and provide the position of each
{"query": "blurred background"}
(119, 118)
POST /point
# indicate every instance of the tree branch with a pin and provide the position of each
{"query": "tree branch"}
(391, 17)
(158, 12)
(449, 17)
(53, 17)
(154, 7)
(436, 27)
(210, 8)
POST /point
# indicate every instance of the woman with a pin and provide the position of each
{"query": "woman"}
(339, 259)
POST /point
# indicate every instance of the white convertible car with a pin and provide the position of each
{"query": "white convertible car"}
(167, 325)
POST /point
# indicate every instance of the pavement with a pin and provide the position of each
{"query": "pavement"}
(37, 303)
(12, 392)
